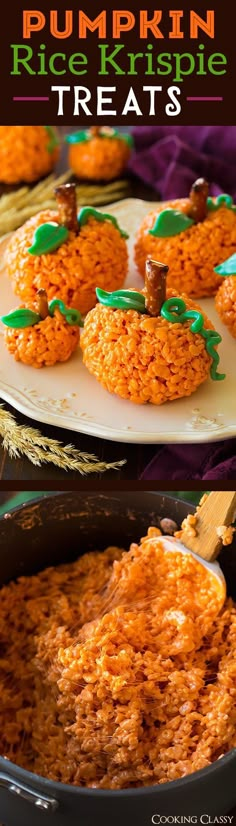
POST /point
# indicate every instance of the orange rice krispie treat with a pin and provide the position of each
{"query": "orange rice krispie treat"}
(146, 348)
(27, 153)
(193, 235)
(226, 295)
(43, 334)
(99, 153)
(67, 255)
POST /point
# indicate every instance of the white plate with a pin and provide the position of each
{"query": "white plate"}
(67, 396)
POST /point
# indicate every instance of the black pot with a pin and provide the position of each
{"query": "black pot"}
(57, 529)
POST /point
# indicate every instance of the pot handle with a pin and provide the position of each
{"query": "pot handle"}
(41, 801)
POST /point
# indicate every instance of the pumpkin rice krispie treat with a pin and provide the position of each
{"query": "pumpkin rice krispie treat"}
(43, 334)
(27, 153)
(226, 295)
(99, 154)
(149, 346)
(67, 255)
(193, 235)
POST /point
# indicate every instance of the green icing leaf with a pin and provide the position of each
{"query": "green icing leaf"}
(21, 318)
(122, 300)
(78, 137)
(228, 267)
(170, 222)
(88, 212)
(127, 138)
(84, 135)
(221, 201)
(174, 310)
(53, 140)
(73, 317)
(47, 238)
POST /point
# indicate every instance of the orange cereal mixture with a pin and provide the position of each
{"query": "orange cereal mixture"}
(27, 153)
(226, 303)
(96, 256)
(101, 157)
(118, 670)
(192, 254)
(144, 359)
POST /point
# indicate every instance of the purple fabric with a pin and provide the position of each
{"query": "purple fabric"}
(212, 461)
(169, 158)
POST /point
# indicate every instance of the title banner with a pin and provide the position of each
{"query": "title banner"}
(92, 63)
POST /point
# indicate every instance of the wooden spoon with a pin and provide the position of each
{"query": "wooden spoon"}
(218, 509)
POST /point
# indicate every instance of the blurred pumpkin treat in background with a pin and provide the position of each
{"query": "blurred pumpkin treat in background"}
(98, 153)
(27, 153)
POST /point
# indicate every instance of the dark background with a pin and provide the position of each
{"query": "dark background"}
(192, 112)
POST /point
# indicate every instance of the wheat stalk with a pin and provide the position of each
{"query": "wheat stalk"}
(27, 441)
(17, 207)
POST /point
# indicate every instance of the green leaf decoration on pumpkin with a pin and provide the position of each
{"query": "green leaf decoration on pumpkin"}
(88, 212)
(174, 310)
(127, 138)
(73, 317)
(228, 267)
(221, 201)
(21, 318)
(47, 238)
(170, 222)
(53, 140)
(122, 300)
(78, 137)
(84, 135)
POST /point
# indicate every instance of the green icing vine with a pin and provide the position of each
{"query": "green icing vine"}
(174, 310)
(23, 317)
(53, 141)
(122, 300)
(84, 135)
(72, 316)
(220, 201)
(88, 212)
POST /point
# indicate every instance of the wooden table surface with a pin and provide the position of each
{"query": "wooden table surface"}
(137, 455)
